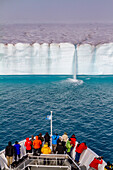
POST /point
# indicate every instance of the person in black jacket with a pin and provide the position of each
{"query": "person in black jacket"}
(60, 150)
(9, 153)
(47, 138)
(59, 141)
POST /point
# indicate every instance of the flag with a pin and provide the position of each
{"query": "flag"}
(48, 117)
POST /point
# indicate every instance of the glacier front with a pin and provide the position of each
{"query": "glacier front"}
(56, 59)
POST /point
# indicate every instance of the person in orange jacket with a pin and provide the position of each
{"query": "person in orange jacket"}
(79, 149)
(28, 145)
(94, 164)
(37, 144)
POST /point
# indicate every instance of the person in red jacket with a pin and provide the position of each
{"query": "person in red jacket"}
(79, 149)
(37, 144)
(28, 145)
(94, 164)
(73, 141)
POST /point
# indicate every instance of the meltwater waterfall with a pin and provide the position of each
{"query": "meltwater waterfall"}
(56, 59)
(75, 63)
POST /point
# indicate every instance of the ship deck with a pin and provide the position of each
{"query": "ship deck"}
(31, 162)
(46, 162)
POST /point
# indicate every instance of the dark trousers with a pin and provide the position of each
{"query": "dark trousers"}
(28, 151)
(16, 157)
(46, 160)
(37, 151)
(69, 153)
(77, 157)
(60, 162)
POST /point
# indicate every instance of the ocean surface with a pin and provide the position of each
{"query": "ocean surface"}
(83, 108)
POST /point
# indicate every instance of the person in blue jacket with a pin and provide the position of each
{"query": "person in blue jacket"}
(55, 137)
(17, 150)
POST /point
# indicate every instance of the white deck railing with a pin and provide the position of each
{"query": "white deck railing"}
(85, 159)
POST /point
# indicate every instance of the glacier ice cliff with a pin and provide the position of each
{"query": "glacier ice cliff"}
(56, 59)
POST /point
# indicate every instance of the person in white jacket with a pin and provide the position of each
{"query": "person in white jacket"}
(64, 138)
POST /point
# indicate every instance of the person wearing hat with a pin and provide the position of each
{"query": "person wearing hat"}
(109, 166)
(64, 138)
(94, 164)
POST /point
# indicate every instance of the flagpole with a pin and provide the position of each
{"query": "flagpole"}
(51, 128)
(51, 123)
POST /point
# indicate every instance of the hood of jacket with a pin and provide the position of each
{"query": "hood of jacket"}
(45, 145)
(73, 136)
(27, 139)
(36, 137)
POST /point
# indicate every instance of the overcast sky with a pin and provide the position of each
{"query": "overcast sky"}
(56, 11)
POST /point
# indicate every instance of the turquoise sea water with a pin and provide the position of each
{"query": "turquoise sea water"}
(85, 109)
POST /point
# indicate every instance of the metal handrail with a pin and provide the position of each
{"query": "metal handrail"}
(55, 158)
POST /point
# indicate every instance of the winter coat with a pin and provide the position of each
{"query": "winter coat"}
(41, 138)
(37, 143)
(64, 138)
(47, 138)
(28, 144)
(95, 162)
(9, 151)
(68, 146)
(60, 149)
(54, 139)
(81, 147)
(17, 149)
(73, 141)
(59, 141)
(45, 149)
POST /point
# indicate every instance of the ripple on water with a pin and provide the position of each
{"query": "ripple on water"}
(84, 109)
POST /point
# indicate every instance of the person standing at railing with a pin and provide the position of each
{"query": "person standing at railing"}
(47, 138)
(79, 149)
(55, 137)
(9, 153)
(73, 141)
(64, 138)
(32, 147)
(17, 150)
(68, 146)
(46, 150)
(96, 161)
(60, 150)
(28, 145)
(37, 145)
(42, 140)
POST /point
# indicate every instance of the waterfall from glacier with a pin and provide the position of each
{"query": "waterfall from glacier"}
(74, 63)
(75, 57)
(56, 59)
